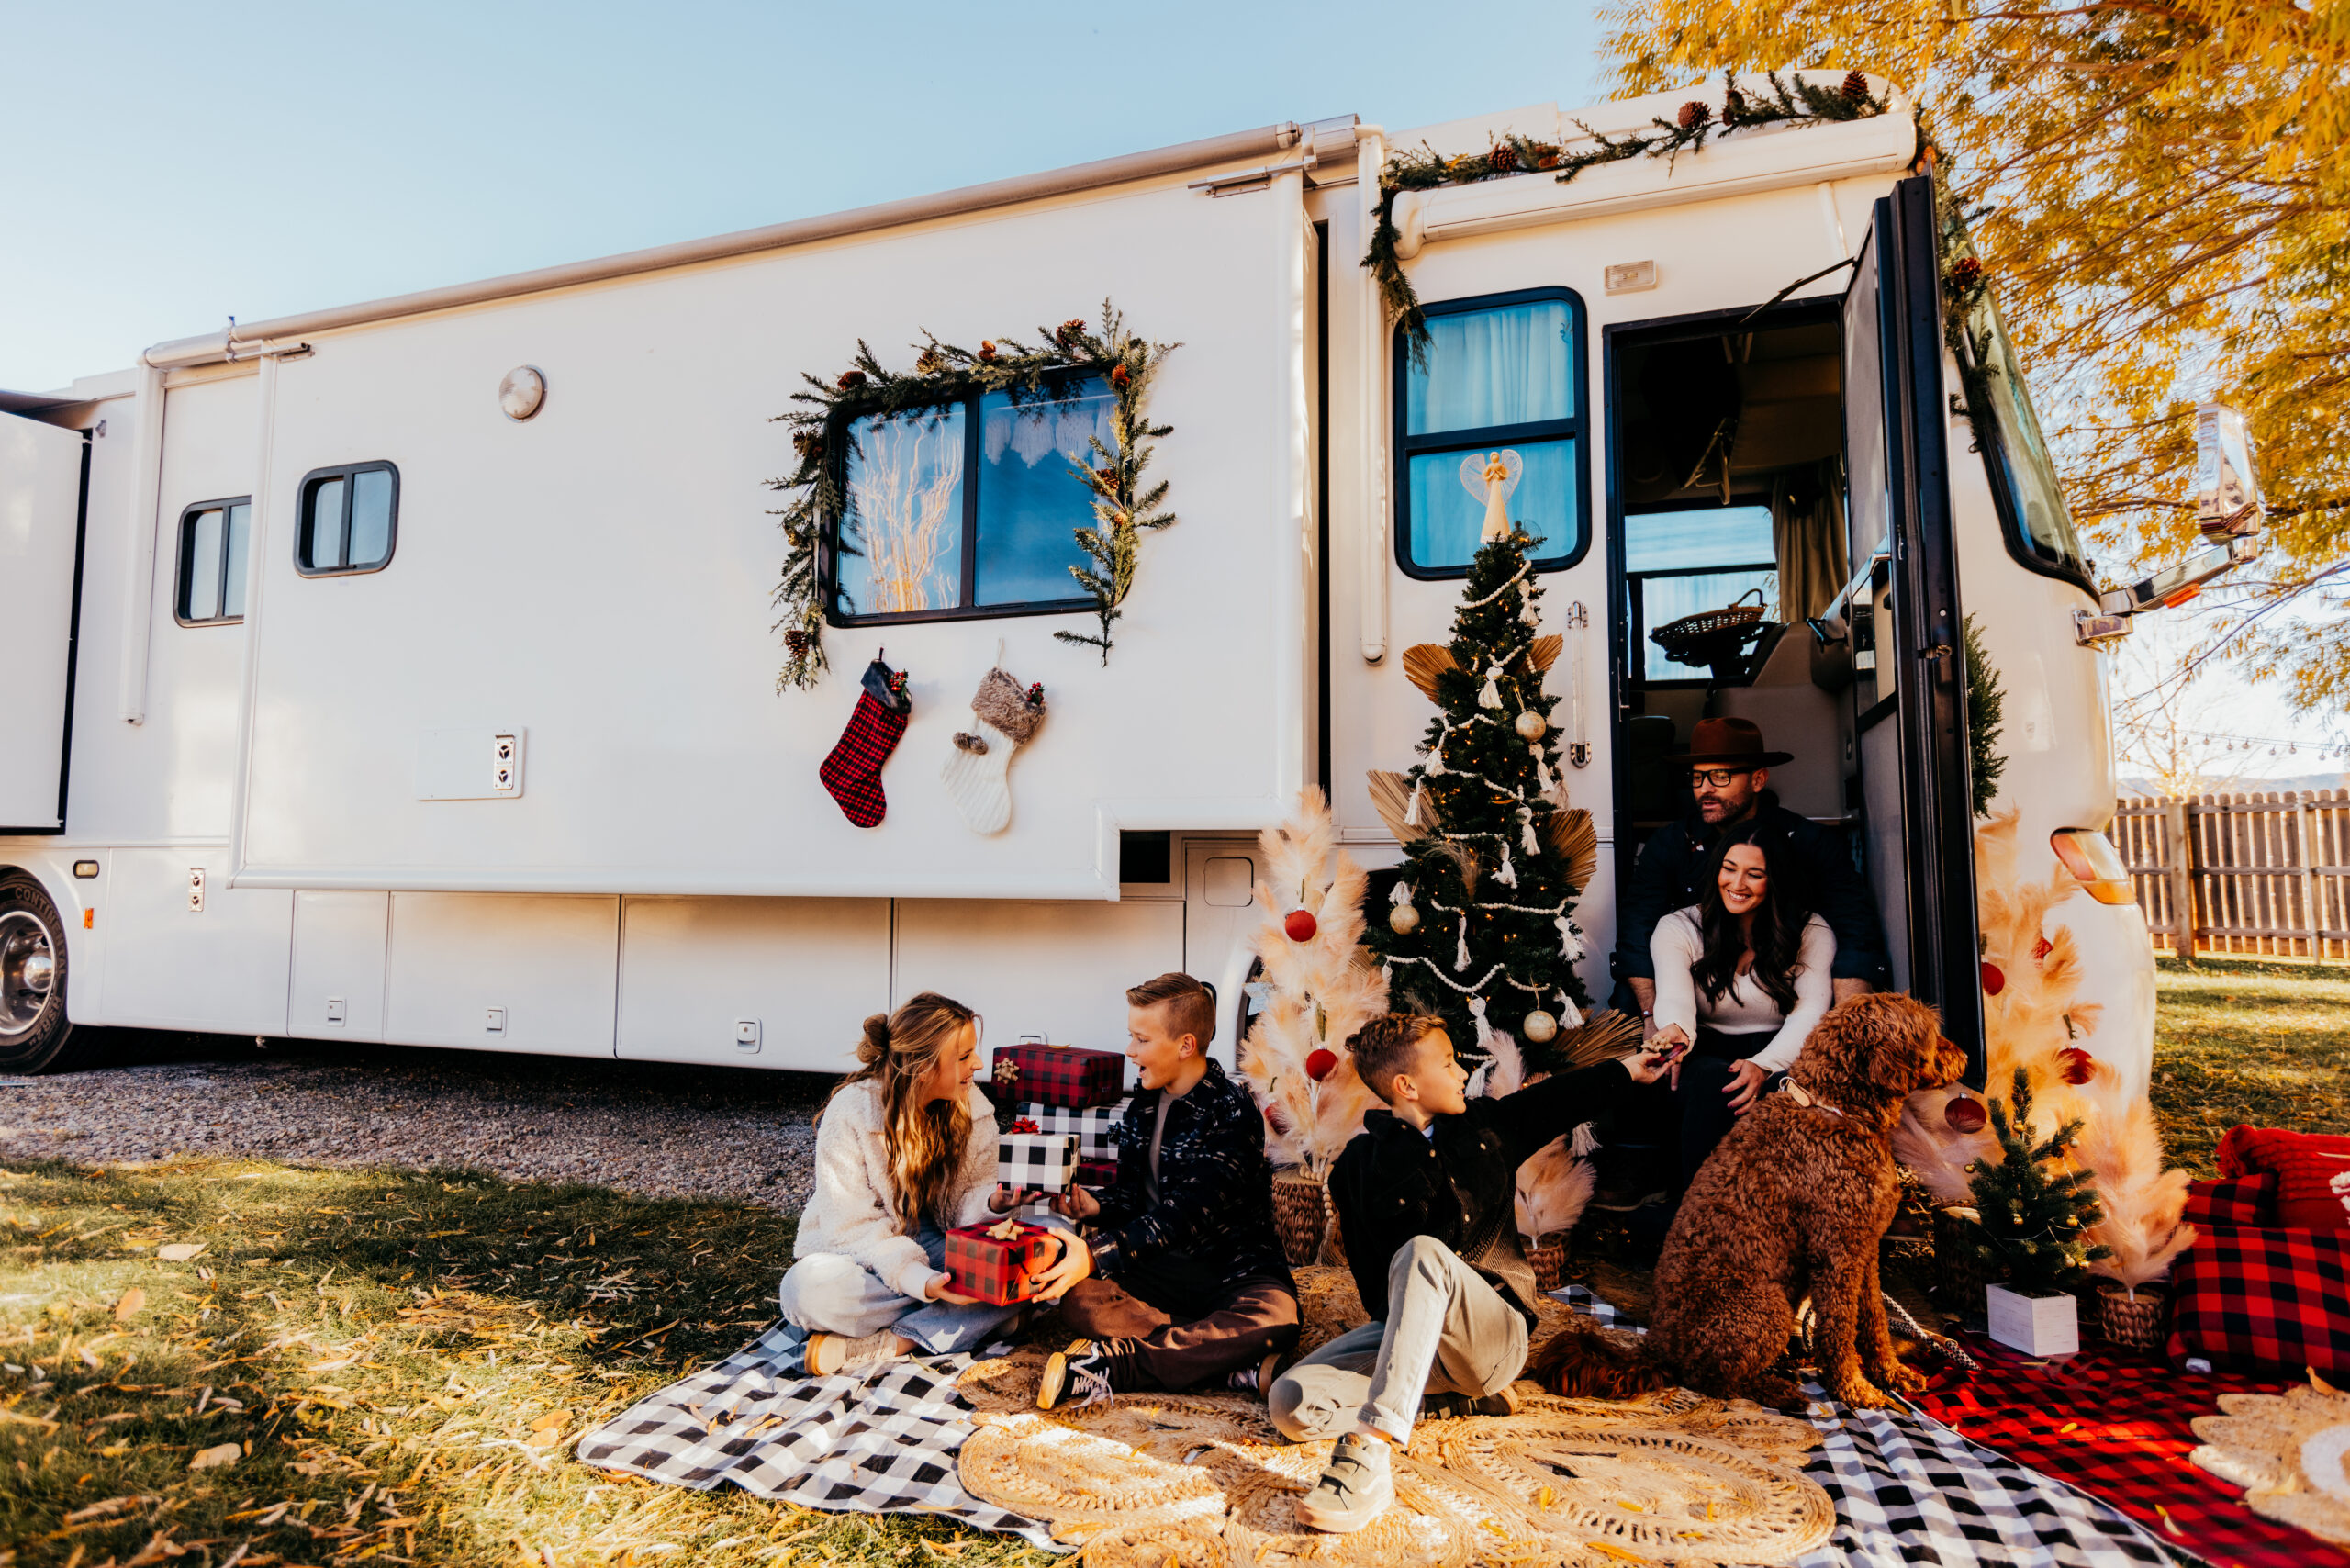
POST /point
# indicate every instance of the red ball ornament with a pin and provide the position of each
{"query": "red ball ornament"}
(1320, 1063)
(2077, 1065)
(1301, 925)
(1993, 981)
(1965, 1113)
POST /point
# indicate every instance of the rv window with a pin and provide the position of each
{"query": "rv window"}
(349, 520)
(1501, 371)
(212, 563)
(970, 510)
(2039, 527)
(1682, 562)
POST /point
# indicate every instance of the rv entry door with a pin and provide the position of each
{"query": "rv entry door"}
(40, 533)
(1912, 747)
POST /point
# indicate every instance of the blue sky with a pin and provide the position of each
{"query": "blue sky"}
(170, 166)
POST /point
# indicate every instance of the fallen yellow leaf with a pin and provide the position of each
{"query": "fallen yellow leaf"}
(216, 1456)
(181, 1251)
(551, 1418)
(133, 1300)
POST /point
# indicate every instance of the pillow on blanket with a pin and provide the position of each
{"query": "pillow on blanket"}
(2260, 1298)
(2233, 1200)
(2312, 1172)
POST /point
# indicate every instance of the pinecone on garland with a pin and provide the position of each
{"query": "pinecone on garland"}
(1503, 159)
(1119, 378)
(1856, 88)
(986, 351)
(1965, 273)
(850, 380)
(1733, 106)
(930, 362)
(1071, 332)
(810, 444)
(1693, 112)
(795, 642)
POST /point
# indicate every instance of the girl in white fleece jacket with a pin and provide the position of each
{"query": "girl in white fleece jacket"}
(904, 1152)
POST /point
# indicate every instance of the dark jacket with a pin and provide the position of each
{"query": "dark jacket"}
(1213, 1224)
(1672, 875)
(1459, 1186)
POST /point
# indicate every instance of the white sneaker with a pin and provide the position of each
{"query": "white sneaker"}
(1356, 1487)
(829, 1353)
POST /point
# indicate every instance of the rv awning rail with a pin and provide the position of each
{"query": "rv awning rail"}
(1265, 141)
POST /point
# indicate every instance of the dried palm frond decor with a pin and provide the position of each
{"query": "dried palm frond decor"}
(1789, 101)
(901, 516)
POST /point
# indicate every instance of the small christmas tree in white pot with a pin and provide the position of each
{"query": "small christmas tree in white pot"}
(2034, 1212)
(1318, 987)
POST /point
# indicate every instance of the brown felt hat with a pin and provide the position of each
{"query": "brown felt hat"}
(1718, 741)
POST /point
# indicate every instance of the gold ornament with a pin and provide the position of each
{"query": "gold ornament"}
(1532, 726)
(1540, 1027)
(1403, 920)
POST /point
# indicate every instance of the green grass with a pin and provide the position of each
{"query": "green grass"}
(2248, 1040)
(402, 1361)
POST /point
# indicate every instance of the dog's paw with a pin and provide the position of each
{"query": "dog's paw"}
(1861, 1394)
(1900, 1378)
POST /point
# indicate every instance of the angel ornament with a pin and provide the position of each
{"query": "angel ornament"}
(1492, 480)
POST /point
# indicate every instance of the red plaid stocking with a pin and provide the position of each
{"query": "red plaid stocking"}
(852, 774)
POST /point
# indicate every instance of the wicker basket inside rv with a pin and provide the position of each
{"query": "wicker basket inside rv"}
(1712, 636)
(1301, 1215)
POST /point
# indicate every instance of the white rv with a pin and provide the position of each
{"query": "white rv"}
(340, 703)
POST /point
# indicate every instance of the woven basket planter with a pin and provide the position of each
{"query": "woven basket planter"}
(1548, 1257)
(1957, 1275)
(2135, 1321)
(1301, 1215)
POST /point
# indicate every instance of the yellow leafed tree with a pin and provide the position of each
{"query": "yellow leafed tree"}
(2158, 192)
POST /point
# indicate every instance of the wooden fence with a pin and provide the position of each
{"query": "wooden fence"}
(2255, 873)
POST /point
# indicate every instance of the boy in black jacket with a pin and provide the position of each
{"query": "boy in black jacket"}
(1425, 1196)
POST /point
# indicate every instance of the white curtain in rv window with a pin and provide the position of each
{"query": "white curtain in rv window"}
(1509, 365)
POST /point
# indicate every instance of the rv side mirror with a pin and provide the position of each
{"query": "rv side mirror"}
(2227, 487)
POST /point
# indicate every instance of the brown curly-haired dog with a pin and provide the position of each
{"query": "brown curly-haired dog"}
(1791, 1203)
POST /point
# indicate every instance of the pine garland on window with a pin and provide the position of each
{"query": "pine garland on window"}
(1512, 154)
(1987, 696)
(942, 376)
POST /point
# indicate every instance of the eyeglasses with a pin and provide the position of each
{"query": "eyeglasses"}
(1718, 777)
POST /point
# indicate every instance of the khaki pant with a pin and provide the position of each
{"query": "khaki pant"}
(1446, 1331)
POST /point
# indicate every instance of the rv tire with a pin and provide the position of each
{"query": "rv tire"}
(35, 1034)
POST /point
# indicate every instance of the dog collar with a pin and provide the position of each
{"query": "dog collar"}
(1788, 1087)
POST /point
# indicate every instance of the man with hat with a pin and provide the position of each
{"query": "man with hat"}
(1728, 769)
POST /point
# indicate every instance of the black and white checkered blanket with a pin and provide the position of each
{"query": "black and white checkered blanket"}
(1908, 1489)
(883, 1440)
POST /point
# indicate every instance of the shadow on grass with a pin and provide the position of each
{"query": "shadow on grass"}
(2248, 1040)
(378, 1366)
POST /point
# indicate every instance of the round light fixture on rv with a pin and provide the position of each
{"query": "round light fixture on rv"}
(523, 393)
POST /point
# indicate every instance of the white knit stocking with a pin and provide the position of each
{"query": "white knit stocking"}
(979, 782)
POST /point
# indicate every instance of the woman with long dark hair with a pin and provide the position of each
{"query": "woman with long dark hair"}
(1741, 979)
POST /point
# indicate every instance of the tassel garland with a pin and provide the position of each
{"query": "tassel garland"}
(1412, 812)
(1491, 697)
(1586, 1139)
(1507, 876)
(1526, 831)
(1460, 953)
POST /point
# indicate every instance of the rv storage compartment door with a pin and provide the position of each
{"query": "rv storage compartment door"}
(1921, 860)
(41, 507)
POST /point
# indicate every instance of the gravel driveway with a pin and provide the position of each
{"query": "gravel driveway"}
(645, 1128)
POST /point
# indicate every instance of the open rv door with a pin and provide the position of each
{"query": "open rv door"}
(42, 470)
(1913, 751)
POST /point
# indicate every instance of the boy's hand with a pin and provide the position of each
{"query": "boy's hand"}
(1003, 1199)
(1076, 1203)
(1075, 1263)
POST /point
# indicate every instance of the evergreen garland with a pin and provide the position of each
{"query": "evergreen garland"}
(1987, 696)
(2031, 1232)
(1512, 154)
(943, 376)
(1490, 888)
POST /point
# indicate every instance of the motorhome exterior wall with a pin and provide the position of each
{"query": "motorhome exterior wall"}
(598, 577)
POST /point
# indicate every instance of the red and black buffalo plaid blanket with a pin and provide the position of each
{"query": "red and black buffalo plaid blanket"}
(2115, 1424)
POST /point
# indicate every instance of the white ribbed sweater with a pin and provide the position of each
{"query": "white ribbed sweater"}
(851, 1211)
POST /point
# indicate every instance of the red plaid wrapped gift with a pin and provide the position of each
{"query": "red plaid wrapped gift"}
(998, 1262)
(1057, 1075)
(2251, 1297)
(1096, 1127)
(1025, 1160)
(1097, 1172)
(2233, 1200)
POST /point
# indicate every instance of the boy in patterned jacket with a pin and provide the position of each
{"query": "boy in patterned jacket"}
(1188, 1283)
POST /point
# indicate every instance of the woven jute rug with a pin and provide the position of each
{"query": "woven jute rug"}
(1182, 1481)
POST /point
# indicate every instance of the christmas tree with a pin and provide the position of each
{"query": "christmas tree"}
(1478, 931)
(1317, 989)
(2034, 1209)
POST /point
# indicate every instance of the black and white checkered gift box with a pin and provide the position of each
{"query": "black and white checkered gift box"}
(1035, 1159)
(1096, 1127)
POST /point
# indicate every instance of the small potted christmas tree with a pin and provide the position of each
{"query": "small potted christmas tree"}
(2034, 1210)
